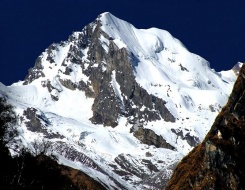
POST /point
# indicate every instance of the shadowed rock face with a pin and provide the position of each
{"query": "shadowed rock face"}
(134, 102)
(107, 105)
(149, 137)
(219, 161)
(110, 75)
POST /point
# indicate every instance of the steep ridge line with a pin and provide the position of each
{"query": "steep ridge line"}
(218, 162)
(110, 112)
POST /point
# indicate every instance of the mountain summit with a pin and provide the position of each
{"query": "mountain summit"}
(121, 104)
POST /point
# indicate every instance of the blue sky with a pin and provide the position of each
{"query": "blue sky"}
(213, 29)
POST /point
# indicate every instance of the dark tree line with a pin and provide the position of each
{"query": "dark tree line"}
(26, 171)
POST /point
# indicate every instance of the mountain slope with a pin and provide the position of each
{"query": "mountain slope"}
(119, 103)
(27, 171)
(218, 162)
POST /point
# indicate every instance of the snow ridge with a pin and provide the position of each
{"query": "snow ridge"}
(60, 88)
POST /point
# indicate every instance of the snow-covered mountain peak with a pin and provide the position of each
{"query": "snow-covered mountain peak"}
(156, 99)
(107, 17)
(157, 50)
(143, 42)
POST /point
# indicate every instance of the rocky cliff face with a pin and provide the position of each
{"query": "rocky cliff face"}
(121, 104)
(219, 161)
(101, 68)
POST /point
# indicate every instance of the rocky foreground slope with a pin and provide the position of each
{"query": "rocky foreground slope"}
(121, 104)
(219, 161)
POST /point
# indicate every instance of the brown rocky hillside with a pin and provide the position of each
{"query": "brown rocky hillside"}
(219, 161)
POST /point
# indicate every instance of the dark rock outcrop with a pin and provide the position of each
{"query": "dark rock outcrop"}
(104, 64)
(219, 161)
(35, 72)
(107, 105)
(148, 136)
(33, 122)
(36, 121)
(191, 140)
(74, 155)
(129, 166)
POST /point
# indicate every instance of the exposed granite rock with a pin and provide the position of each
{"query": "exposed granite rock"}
(87, 88)
(104, 64)
(68, 84)
(129, 166)
(149, 165)
(191, 140)
(35, 72)
(107, 106)
(50, 50)
(37, 122)
(149, 137)
(33, 123)
(218, 162)
(50, 89)
(183, 68)
(160, 180)
(74, 155)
